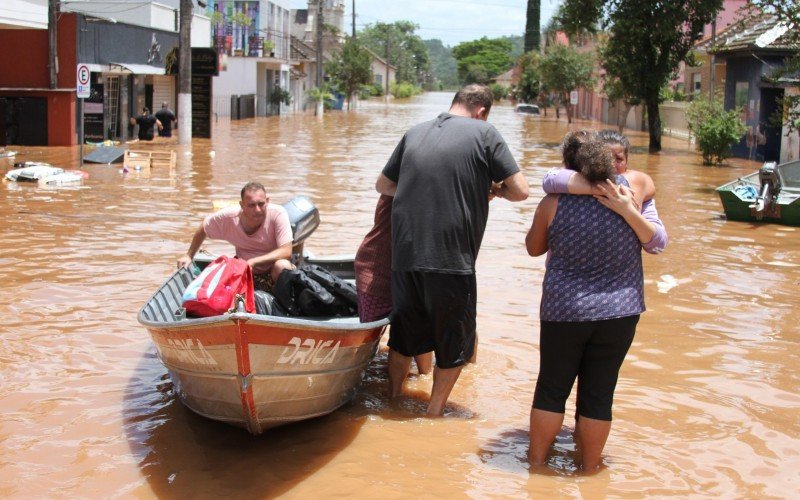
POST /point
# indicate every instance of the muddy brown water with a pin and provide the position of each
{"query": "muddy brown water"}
(707, 403)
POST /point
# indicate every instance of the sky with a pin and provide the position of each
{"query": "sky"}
(451, 21)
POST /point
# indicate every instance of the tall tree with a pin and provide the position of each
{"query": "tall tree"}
(532, 30)
(443, 65)
(481, 60)
(350, 68)
(563, 69)
(406, 50)
(648, 40)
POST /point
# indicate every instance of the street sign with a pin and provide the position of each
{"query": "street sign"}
(84, 80)
(573, 97)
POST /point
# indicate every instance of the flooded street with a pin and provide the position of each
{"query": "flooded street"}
(708, 402)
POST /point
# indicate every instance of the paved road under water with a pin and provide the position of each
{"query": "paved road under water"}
(707, 403)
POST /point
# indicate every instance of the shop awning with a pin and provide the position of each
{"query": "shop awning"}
(136, 69)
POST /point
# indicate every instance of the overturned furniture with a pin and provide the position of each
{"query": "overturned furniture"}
(140, 159)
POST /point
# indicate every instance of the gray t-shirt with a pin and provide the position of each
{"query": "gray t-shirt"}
(444, 169)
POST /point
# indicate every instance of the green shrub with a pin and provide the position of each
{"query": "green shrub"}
(377, 90)
(403, 89)
(716, 129)
(498, 91)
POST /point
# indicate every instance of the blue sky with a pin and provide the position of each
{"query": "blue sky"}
(451, 21)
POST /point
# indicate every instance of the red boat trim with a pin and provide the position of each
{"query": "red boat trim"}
(245, 378)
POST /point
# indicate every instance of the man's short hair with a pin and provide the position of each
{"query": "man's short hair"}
(252, 186)
(145, 110)
(474, 96)
(164, 105)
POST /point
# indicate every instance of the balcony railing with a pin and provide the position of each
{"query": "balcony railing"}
(266, 43)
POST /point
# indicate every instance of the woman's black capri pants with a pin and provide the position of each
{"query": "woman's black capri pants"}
(593, 352)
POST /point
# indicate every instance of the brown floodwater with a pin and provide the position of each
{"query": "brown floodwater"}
(707, 403)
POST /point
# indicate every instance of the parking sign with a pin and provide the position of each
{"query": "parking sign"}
(84, 78)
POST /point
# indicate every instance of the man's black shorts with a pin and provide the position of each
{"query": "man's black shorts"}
(434, 312)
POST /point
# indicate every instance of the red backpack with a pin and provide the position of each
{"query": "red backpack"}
(214, 291)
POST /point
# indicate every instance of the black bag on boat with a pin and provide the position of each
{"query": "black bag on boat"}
(337, 286)
(299, 295)
(268, 305)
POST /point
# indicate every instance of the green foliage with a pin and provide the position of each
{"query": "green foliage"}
(563, 69)
(648, 40)
(716, 129)
(240, 19)
(481, 60)
(318, 94)
(350, 67)
(280, 95)
(406, 50)
(533, 37)
(499, 92)
(403, 89)
(443, 65)
(529, 86)
(377, 89)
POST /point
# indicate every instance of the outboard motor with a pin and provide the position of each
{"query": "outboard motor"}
(304, 219)
(770, 187)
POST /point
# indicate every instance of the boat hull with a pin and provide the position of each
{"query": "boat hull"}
(257, 371)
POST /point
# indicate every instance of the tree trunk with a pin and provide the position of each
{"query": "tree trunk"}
(654, 125)
(622, 118)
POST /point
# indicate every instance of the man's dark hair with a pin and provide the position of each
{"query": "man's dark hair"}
(572, 142)
(474, 96)
(595, 161)
(252, 186)
(145, 110)
(613, 137)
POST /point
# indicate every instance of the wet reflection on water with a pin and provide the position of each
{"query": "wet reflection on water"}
(707, 402)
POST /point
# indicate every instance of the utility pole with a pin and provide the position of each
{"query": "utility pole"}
(388, 41)
(354, 18)
(185, 74)
(52, 31)
(319, 43)
(712, 70)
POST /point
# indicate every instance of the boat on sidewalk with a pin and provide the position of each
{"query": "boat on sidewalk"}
(772, 194)
(258, 371)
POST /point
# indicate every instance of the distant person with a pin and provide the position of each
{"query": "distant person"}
(146, 122)
(442, 175)
(373, 266)
(591, 300)
(167, 119)
(259, 231)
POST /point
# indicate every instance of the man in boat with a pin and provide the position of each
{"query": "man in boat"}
(146, 122)
(442, 175)
(259, 230)
(167, 119)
